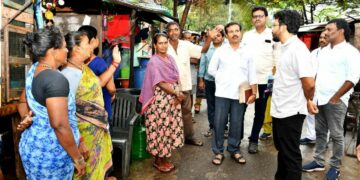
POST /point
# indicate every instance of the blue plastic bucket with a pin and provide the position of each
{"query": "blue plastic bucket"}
(144, 62)
(139, 74)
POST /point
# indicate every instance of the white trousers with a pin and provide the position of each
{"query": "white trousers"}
(310, 127)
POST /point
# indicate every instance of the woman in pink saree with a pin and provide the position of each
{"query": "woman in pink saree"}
(161, 97)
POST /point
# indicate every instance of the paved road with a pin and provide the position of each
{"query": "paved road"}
(194, 163)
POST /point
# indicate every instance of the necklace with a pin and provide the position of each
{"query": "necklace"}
(45, 65)
(77, 66)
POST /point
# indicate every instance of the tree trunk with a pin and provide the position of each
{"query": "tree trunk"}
(185, 14)
(312, 10)
(357, 36)
(175, 14)
(305, 16)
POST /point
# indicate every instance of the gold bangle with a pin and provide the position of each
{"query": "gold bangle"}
(115, 64)
(80, 161)
(24, 117)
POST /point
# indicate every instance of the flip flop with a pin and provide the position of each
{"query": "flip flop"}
(219, 158)
(169, 165)
(194, 142)
(240, 159)
(163, 168)
(197, 109)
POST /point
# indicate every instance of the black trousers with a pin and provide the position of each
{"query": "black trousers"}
(286, 135)
(260, 107)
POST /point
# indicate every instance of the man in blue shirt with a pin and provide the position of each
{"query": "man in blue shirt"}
(207, 82)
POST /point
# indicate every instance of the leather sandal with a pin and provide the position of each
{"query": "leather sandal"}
(218, 159)
(239, 159)
(197, 109)
(163, 168)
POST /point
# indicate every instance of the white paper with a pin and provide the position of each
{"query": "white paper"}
(87, 20)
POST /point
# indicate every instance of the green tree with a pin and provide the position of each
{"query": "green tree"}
(205, 14)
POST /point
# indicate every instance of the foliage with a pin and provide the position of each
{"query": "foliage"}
(205, 14)
(208, 13)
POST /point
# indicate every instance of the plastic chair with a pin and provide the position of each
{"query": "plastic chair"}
(124, 117)
(351, 123)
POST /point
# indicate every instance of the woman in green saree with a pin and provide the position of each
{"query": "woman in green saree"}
(92, 117)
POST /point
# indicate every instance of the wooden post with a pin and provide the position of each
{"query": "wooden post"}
(132, 46)
(357, 36)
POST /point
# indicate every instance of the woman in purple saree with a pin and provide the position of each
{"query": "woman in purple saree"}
(161, 97)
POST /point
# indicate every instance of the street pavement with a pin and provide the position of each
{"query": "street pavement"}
(194, 163)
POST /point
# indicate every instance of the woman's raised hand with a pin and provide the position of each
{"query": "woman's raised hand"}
(116, 55)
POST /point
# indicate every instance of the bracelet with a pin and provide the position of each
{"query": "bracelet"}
(24, 117)
(115, 64)
(80, 161)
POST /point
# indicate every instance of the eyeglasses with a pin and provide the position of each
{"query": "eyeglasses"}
(274, 25)
(258, 16)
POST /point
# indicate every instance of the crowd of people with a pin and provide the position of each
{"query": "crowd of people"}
(288, 85)
(65, 119)
(66, 114)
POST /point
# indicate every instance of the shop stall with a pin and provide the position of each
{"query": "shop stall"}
(119, 22)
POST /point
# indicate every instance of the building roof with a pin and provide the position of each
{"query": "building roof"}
(315, 27)
(163, 12)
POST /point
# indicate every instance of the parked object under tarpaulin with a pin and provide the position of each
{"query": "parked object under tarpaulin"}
(118, 28)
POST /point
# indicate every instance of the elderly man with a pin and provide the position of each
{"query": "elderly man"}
(310, 136)
(182, 51)
(187, 36)
(338, 71)
(231, 66)
(259, 41)
(293, 90)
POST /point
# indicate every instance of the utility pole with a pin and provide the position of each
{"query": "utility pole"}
(229, 16)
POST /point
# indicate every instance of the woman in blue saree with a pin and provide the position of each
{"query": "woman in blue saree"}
(49, 147)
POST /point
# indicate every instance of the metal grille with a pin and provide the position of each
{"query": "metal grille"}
(17, 76)
(18, 23)
(16, 46)
(22, 2)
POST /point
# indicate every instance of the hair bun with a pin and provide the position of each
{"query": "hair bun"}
(29, 39)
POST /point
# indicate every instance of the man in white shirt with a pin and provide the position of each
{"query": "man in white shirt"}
(338, 72)
(259, 41)
(293, 90)
(182, 51)
(194, 71)
(310, 135)
(231, 66)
